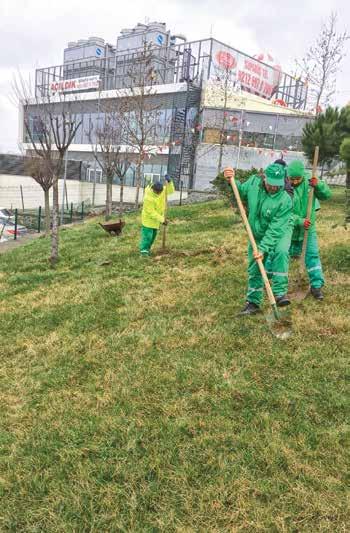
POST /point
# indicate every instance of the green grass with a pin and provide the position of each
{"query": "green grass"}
(133, 399)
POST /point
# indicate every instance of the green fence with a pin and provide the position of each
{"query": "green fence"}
(33, 220)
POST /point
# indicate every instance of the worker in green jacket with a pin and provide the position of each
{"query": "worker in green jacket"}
(300, 180)
(153, 211)
(270, 218)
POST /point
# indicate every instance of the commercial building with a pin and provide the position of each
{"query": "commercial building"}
(214, 104)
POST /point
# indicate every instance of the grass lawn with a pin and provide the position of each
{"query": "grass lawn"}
(133, 399)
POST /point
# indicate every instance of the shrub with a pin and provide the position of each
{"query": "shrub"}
(224, 188)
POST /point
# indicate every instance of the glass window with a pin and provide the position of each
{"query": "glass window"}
(86, 128)
(260, 123)
(258, 140)
(288, 142)
(78, 136)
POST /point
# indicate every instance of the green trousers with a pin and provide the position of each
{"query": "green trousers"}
(148, 236)
(312, 259)
(277, 266)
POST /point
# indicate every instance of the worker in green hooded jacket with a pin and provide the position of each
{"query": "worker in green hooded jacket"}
(300, 180)
(153, 212)
(271, 220)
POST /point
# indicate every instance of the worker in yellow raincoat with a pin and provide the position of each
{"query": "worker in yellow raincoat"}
(153, 212)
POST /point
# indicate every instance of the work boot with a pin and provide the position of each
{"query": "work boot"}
(282, 301)
(250, 309)
(316, 293)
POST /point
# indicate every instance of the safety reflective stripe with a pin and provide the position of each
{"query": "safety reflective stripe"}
(254, 290)
(314, 268)
(278, 273)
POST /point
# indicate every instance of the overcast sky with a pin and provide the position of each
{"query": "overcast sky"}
(34, 33)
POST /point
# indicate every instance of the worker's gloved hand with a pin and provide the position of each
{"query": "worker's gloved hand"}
(166, 222)
(258, 255)
(307, 223)
(313, 182)
(229, 173)
(167, 178)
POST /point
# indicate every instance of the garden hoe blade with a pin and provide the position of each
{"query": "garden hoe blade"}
(164, 248)
(280, 326)
(302, 289)
(280, 322)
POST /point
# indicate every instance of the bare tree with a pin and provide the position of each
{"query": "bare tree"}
(322, 61)
(40, 170)
(139, 113)
(109, 154)
(224, 126)
(225, 83)
(50, 129)
(123, 164)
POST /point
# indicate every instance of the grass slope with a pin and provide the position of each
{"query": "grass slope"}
(133, 399)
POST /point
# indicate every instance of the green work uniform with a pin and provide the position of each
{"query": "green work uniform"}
(312, 257)
(270, 218)
(152, 216)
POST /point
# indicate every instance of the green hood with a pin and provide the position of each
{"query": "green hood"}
(296, 169)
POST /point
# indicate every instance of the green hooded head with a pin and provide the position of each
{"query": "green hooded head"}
(275, 175)
(296, 169)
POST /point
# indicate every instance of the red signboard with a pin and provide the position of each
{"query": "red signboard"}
(77, 84)
(253, 76)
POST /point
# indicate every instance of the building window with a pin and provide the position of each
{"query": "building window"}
(211, 136)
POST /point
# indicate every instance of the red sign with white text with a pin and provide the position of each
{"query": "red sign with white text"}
(78, 84)
(253, 76)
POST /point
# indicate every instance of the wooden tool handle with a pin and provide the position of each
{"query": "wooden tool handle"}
(270, 294)
(165, 213)
(309, 208)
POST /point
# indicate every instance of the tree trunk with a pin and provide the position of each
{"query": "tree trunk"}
(138, 183)
(121, 203)
(109, 185)
(221, 150)
(47, 212)
(347, 198)
(223, 126)
(347, 182)
(54, 232)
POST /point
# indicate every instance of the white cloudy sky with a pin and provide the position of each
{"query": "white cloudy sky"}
(34, 33)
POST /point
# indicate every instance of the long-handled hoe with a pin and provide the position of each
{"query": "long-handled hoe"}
(302, 288)
(165, 215)
(280, 324)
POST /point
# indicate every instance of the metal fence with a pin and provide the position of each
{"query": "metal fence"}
(189, 61)
(28, 221)
(338, 179)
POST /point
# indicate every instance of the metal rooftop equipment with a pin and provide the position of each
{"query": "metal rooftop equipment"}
(171, 62)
